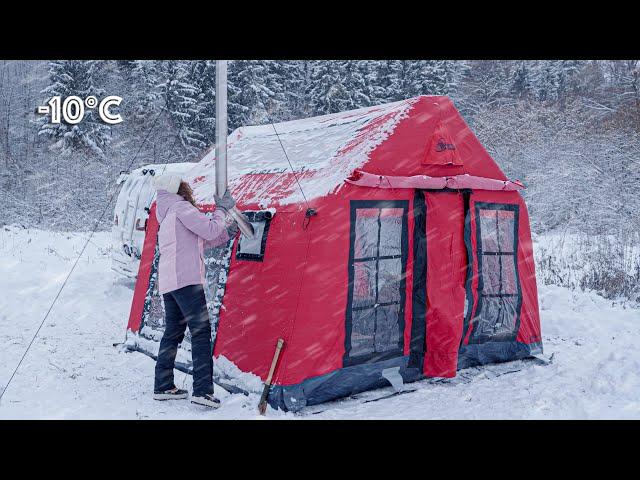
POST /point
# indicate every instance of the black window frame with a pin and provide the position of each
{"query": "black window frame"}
(256, 216)
(477, 337)
(348, 359)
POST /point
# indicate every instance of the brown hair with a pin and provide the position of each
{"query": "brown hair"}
(185, 192)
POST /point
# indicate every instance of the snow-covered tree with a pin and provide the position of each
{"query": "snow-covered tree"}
(555, 80)
(250, 100)
(389, 81)
(181, 100)
(354, 77)
(430, 77)
(328, 94)
(145, 77)
(80, 78)
(203, 77)
(521, 86)
(290, 79)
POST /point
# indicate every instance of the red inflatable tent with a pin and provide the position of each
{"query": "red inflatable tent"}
(388, 240)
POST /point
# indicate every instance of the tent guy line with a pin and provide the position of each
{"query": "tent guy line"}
(264, 107)
(73, 267)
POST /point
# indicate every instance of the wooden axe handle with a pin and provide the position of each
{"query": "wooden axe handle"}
(262, 405)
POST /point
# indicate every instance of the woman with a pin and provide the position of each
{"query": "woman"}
(184, 233)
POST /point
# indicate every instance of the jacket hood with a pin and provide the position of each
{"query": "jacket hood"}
(164, 200)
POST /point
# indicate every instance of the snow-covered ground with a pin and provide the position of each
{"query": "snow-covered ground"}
(74, 371)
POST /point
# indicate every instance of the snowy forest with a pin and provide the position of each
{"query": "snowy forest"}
(568, 129)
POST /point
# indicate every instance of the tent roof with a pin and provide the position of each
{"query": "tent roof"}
(334, 144)
(410, 137)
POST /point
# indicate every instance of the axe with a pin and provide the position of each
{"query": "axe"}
(262, 405)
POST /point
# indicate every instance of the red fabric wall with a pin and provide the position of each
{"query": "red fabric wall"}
(415, 138)
(302, 296)
(260, 299)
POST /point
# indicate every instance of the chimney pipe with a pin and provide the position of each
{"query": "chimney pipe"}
(221, 146)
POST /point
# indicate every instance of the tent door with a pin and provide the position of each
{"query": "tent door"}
(439, 273)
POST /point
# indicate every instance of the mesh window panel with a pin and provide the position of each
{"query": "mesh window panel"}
(152, 325)
(508, 275)
(376, 280)
(491, 274)
(390, 232)
(489, 230)
(505, 230)
(364, 284)
(389, 277)
(499, 318)
(216, 262)
(386, 337)
(155, 318)
(496, 317)
(364, 324)
(366, 245)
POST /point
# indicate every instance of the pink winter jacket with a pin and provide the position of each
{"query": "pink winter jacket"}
(184, 233)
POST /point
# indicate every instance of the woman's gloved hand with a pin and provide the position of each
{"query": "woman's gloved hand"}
(225, 202)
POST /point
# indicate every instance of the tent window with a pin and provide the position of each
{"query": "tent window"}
(253, 248)
(377, 265)
(498, 311)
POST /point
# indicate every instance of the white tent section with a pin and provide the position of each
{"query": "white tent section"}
(332, 146)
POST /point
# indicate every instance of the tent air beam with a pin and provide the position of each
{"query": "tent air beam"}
(425, 182)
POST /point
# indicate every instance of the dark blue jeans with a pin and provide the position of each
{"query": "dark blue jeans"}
(182, 307)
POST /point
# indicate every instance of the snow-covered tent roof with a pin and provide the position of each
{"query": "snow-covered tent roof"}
(323, 151)
(275, 164)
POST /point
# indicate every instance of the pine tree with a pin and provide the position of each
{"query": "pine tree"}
(326, 91)
(250, 100)
(369, 70)
(431, 77)
(383, 84)
(146, 75)
(521, 86)
(354, 74)
(546, 80)
(181, 100)
(79, 78)
(307, 84)
(568, 80)
(388, 81)
(126, 66)
(338, 86)
(203, 76)
(293, 79)
(269, 82)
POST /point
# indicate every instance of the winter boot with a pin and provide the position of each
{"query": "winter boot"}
(172, 394)
(207, 400)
